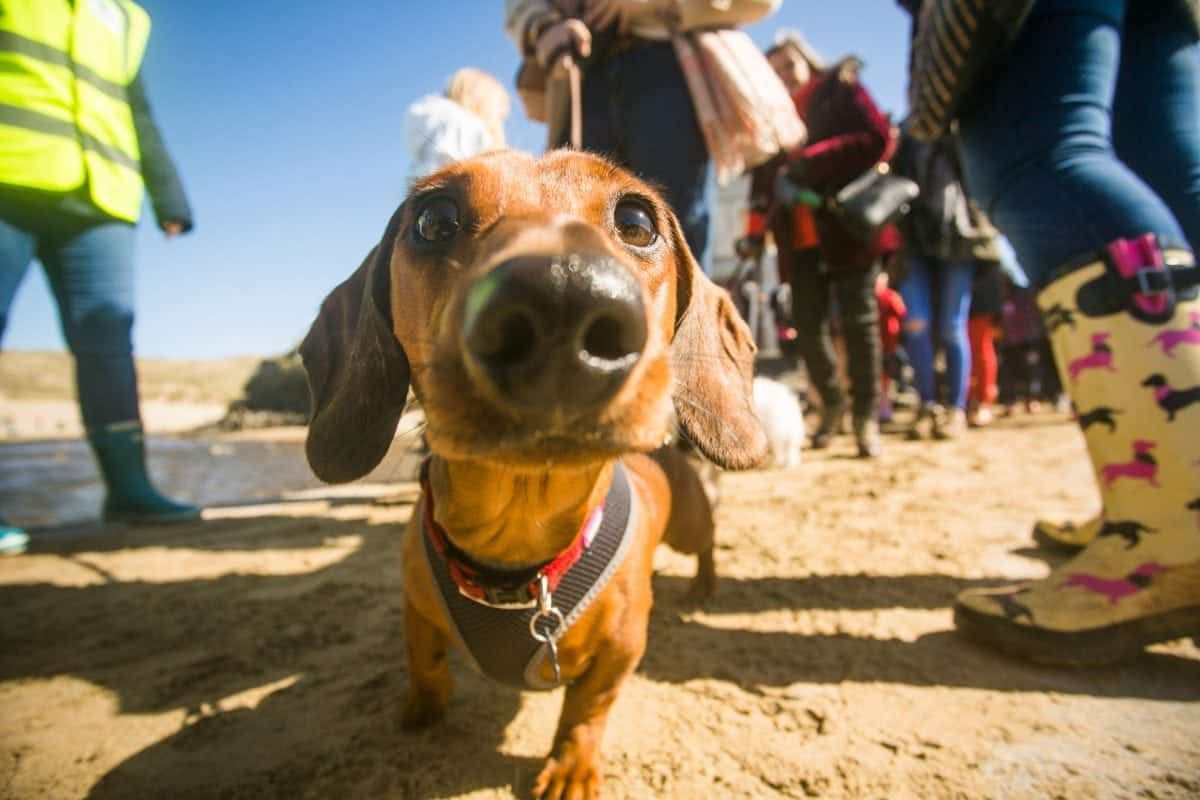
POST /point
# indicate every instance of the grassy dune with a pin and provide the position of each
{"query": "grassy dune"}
(44, 375)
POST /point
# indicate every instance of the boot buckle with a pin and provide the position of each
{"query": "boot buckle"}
(1155, 280)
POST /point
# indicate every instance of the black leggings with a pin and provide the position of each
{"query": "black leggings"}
(814, 291)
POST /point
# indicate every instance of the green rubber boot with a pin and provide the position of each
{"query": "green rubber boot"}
(121, 453)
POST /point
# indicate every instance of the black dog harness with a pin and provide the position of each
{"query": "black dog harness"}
(509, 621)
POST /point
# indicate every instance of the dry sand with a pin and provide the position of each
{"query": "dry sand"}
(259, 654)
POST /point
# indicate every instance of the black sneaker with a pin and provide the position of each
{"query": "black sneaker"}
(831, 421)
(866, 436)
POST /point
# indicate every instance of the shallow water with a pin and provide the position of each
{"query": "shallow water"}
(55, 483)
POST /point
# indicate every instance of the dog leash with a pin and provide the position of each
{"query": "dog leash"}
(575, 88)
(548, 624)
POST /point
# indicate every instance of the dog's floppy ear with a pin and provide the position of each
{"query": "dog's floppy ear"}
(357, 372)
(712, 357)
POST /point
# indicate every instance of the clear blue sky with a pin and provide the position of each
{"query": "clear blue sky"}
(286, 121)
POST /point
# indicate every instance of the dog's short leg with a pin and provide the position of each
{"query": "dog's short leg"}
(704, 585)
(693, 491)
(429, 680)
(573, 768)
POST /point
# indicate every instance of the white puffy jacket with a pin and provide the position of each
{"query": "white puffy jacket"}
(438, 131)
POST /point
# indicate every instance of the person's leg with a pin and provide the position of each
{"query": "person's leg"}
(1052, 390)
(917, 291)
(598, 108)
(16, 254)
(1008, 376)
(1037, 141)
(810, 315)
(983, 368)
(1028, 387)
(855, 291)
(885, 390)
(918, 339)
(1156, 111)
(661, 137)
(1096, 240)
(91, 273)
(954, 307)
(1031, 376)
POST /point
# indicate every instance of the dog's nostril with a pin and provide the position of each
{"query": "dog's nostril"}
(609, 338)
(516, 338)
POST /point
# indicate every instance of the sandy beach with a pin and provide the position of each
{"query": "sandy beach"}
(259, 653)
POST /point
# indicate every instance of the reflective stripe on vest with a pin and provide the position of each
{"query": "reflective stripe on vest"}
(65, 118)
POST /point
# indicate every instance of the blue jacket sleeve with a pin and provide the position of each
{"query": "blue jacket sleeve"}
(158, 170)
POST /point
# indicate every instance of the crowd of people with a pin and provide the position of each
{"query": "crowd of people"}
(1051, 236)
(940, 288)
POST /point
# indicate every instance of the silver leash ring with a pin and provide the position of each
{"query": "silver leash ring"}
(553, 615)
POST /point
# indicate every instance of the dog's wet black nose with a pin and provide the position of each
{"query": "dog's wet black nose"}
(556, 332)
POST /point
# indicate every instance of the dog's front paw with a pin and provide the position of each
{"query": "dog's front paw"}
(422, 709)
(569, 774)
(704, 585)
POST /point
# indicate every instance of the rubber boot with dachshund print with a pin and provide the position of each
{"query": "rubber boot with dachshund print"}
(1124, 331)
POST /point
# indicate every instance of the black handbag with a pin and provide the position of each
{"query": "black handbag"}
(873, 200)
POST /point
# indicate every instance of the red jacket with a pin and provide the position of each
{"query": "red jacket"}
(847, 135)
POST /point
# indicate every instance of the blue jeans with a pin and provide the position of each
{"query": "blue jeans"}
(950, 283)
(637, 110)
(89, 265)
(1090, 131)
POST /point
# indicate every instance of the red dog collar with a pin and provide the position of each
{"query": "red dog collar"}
(496, 586)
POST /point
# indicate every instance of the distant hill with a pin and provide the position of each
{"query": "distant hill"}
(42, 375)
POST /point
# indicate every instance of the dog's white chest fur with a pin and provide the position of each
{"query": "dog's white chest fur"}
(778, 410)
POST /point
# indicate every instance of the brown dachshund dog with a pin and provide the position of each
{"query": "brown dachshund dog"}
(552, 323)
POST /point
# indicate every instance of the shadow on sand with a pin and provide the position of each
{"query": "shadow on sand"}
(330, 639)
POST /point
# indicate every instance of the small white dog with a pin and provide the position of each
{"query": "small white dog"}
(778, 409)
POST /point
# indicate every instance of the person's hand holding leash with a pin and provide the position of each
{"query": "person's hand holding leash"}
(560, 44)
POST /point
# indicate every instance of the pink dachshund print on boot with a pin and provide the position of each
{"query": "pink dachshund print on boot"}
(1141, 467)
(1171, 400)
(1101, 357)
(1169, 339)
(1115, 589)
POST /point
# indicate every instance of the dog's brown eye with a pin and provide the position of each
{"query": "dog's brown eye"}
(634, 224)
(438, 220)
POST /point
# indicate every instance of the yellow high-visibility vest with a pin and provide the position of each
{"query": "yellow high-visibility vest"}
(65, 119)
